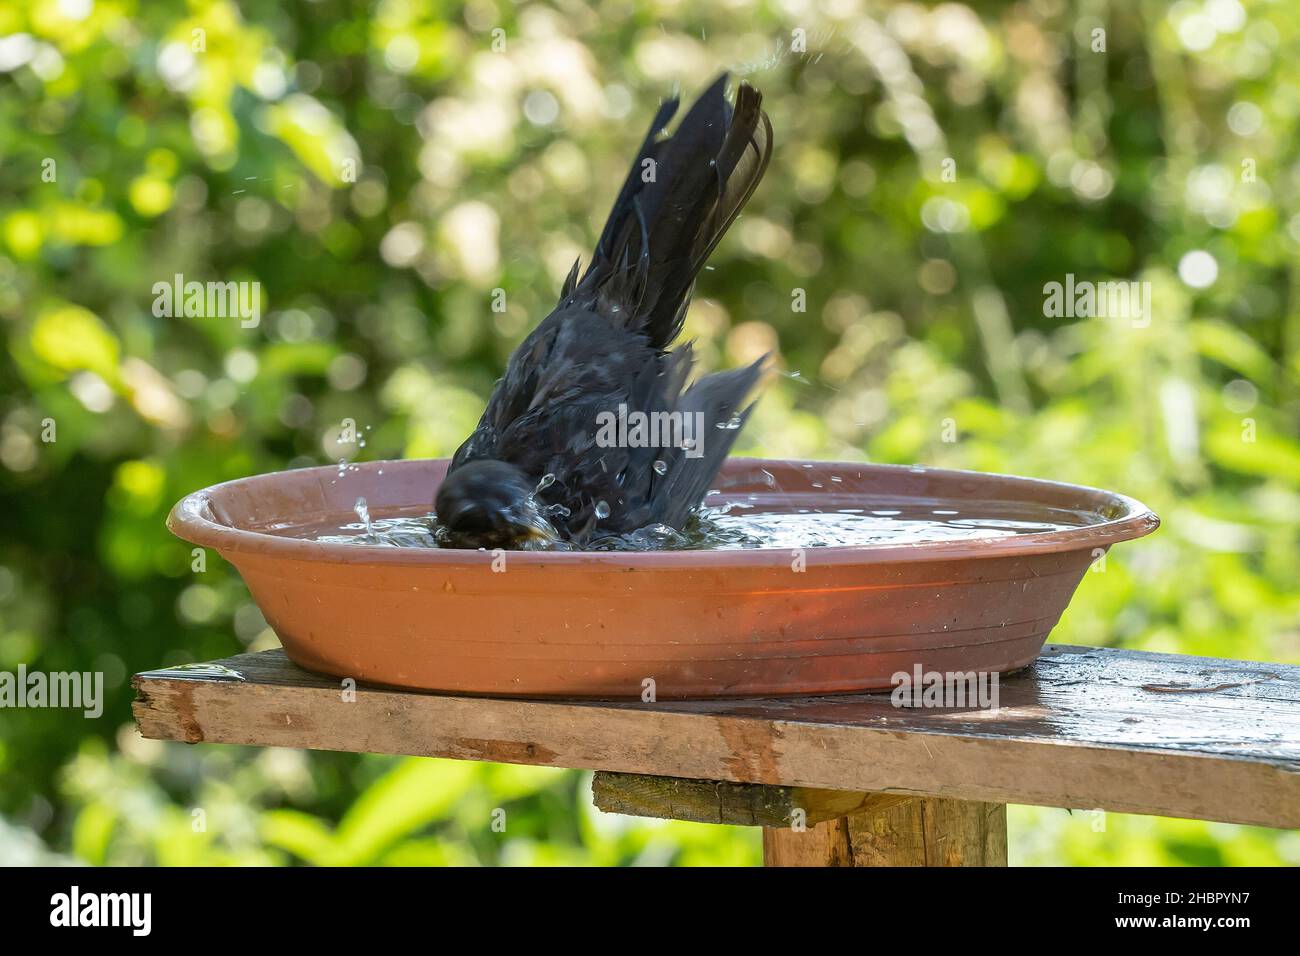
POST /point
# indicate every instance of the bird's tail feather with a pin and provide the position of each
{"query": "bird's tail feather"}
(678, 200)
(718, 399)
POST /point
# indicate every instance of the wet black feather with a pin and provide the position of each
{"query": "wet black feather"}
(606, 343)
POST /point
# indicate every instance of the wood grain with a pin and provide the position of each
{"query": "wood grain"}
(827, 844)
(716, 801)
(1082, 728)
(923, 831)
(931, 832)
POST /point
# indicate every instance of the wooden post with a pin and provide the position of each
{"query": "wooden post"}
(918, 831)
(803, 826)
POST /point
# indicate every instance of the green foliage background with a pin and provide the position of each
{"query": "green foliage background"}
(479, 169)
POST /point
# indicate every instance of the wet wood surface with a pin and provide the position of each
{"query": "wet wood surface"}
(1082, 728)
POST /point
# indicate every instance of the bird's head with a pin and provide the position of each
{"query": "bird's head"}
(491, 504)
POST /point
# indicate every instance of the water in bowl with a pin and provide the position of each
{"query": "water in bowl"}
(740, 525)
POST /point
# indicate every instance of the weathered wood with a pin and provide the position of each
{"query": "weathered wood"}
(716, 801)
(1082, 728)
(826, 844)
(809, 827)
(923, 831)
(931, 832)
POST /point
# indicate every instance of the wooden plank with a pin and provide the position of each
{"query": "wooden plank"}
(923, 831)
(1082, 728)
(716, 801)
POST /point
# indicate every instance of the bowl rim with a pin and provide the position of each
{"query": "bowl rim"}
(189, 520)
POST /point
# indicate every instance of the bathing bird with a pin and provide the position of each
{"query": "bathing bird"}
(593, 430)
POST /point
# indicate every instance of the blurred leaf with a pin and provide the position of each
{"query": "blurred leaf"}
(69, 337)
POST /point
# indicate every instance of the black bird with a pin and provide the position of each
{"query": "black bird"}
(538, 465)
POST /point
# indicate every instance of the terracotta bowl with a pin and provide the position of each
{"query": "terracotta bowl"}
(697, 623)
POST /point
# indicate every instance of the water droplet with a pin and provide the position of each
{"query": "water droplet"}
(200, 671)
(546, 482)
(661, 467)
(602, 510)
(363, 512)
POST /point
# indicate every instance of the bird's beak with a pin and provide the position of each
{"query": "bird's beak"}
(535, 527)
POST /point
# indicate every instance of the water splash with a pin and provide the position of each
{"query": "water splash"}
(736, 525)
(415, 531)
